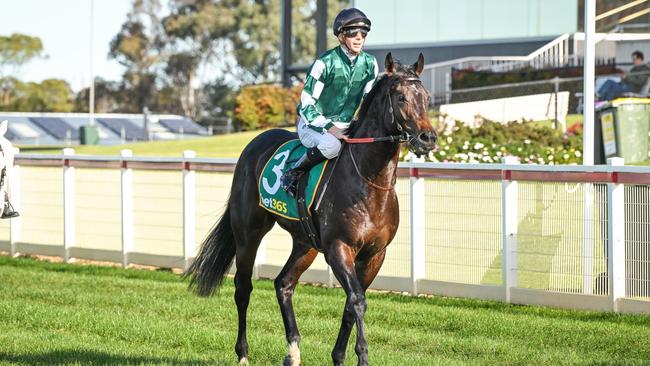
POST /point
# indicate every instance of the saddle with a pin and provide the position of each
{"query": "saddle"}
(280, 203)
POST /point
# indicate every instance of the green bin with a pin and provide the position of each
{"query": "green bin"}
(622, 130)
(88, 135)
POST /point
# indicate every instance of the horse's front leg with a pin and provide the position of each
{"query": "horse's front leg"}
(366, 271)
(341, 260)
(301, 258)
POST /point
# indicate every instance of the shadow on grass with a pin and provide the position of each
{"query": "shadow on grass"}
(83, 357)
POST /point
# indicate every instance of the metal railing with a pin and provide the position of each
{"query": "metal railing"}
(566, 236)
(436, 77)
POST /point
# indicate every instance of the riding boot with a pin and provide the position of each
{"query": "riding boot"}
(8, 212)
(312, 157)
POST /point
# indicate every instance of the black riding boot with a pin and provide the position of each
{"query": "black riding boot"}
(312, 157)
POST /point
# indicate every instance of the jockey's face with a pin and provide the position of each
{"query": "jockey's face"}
(353, 41)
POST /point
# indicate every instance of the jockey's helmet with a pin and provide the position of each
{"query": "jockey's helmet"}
(350, 18)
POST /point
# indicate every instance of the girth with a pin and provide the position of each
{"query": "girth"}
(306, 220)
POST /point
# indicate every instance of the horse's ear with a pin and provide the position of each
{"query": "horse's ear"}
(389, 64)
(3, 127)
(418, 66)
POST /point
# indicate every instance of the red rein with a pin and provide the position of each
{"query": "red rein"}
(362, 140)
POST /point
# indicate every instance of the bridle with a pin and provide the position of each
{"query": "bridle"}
(404, 136)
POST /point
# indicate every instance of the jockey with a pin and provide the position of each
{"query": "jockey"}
(5, 181)
(335, 85)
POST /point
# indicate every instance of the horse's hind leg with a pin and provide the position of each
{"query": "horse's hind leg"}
(248, 229)
(300, 259)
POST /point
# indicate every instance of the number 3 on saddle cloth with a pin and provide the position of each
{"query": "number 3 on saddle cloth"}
(276, 200)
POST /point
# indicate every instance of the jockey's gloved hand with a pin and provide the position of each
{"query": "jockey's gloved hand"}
(338, 133)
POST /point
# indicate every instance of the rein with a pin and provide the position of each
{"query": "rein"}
(373, 185)
(403, 137)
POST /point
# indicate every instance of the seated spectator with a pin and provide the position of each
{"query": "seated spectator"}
(632, 82)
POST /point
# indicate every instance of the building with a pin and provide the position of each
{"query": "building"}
(62, 129)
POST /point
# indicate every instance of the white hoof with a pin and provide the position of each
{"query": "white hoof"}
(243, 362)
(293, 356)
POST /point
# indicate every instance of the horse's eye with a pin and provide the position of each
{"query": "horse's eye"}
(401, 99)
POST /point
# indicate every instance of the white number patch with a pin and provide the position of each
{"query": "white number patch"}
(277, 169)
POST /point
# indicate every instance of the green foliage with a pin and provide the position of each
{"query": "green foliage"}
(63, 314)
(137, 48)
(489, 142)
(264, 106)
(469, 78)
(51, 95)
(18, 49)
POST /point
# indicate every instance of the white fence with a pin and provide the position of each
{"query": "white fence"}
(566, 236)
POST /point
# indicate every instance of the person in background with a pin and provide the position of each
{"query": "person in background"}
(632, 82)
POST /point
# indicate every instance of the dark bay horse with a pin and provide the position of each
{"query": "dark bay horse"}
(357, 218)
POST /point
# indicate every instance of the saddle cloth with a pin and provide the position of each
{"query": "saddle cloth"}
(275, 199)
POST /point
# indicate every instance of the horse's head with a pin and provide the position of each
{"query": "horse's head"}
(409, 102)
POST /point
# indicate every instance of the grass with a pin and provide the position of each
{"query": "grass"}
(61, 314)
(221, 146)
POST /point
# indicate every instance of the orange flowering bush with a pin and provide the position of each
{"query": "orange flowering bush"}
(266, 106)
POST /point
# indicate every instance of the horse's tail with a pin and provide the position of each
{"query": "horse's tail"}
(215, 258)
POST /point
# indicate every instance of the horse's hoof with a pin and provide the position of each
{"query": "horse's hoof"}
(288, 361)
(243, 361)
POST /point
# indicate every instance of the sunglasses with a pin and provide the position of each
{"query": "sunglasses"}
(352, 32)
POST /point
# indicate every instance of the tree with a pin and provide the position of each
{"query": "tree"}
(137, 47)
(256, 44)
(16, 50)
(195, 32)
(108, 97)
(51, 95)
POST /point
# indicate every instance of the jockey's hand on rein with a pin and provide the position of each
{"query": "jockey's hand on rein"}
(338, 133)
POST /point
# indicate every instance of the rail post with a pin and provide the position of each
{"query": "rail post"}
(68, 204)
(616, 236)
(127, 206)
(509, 208)
(189, 207)
(15, 223)
(416, 197)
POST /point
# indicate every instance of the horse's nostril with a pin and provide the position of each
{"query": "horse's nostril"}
(427, 137)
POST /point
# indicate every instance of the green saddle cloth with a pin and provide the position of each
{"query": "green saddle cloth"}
(275, 199)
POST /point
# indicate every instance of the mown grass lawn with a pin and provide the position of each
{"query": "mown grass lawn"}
(219, 146)
(59, 314)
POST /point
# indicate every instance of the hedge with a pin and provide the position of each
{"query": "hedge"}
(490, 141)
(265, 106)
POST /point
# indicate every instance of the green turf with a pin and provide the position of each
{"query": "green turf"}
(58, 314)
(221, 146)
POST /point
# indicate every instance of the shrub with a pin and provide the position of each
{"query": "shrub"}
(488, 143)
(265, 106)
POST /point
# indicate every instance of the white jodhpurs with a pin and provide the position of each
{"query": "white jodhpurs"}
(328, 145)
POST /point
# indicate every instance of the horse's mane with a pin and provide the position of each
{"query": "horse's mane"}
(385, 80)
